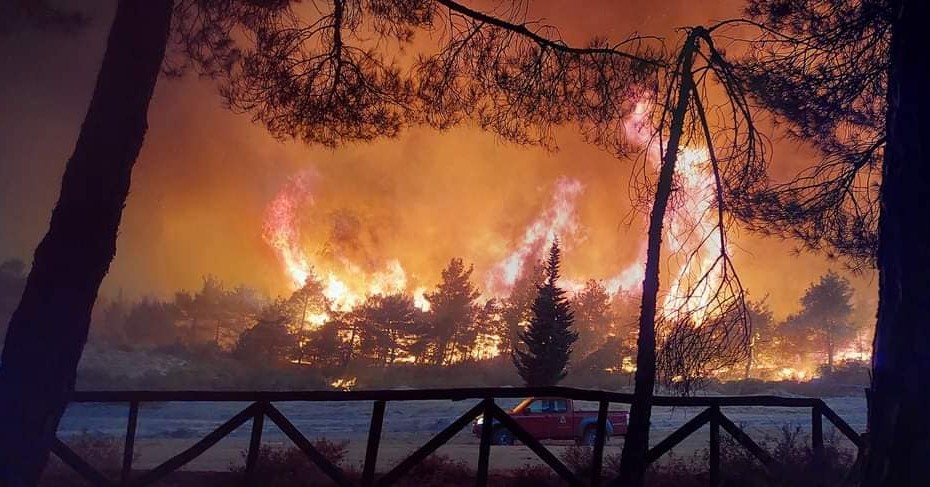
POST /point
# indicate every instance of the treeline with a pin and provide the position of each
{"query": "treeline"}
(460, 325)
(824, 327)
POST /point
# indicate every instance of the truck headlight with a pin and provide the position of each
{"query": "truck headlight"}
(480, 420)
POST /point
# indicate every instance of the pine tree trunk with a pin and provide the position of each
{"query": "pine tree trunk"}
(636, 442)
(47, 332)
(898, 421)
(752, 350)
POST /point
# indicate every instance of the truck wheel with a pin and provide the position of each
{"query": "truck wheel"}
(590, 436)
(502, 436)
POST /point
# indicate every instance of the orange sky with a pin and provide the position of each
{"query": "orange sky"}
(205, 177)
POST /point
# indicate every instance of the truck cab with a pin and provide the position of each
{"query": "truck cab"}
(554, 418)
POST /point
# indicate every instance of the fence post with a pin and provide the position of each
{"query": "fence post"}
(129, 443)
(484, 450)
(817, 442)
(255, 445)
(715, 446)
(599, 440)
(374, 440)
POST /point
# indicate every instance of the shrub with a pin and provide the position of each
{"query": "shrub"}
(791, 449)
(739, 468)
(529, 476)
(105, 453)
(439, 471)
(290, 467)
(850, 372)
(578, 459)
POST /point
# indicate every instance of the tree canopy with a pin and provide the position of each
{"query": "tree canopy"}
(546, 345)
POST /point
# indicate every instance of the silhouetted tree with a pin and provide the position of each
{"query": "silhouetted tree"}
(267, 343)
(542, 357)
(109, 318)
(452, 314)
(12, 283)
(151, 321)
(322, 345)
(241, 306)
(821, 67)
(827, 310)
(763, 339)
(851, 78)
(207, 309)
(349, 327)
(387, 325)
(305, 309)
(517, 308)
(591, 308)
(37, 374)
(216, 314)
(794, 338)
(625, 308)
(491, 328)
(715, 335)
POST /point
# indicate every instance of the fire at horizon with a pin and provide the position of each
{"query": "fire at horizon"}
(348, 283)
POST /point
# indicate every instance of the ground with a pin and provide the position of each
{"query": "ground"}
(165, 429)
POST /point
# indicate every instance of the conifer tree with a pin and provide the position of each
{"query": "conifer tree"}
(547, 341)
(452, 316)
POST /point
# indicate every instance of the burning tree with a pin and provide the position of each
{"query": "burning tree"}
(542, 357)
(452, 331)
(266, 343)
(517, 308)
(592, 310)
(306, 310)
(390, 324)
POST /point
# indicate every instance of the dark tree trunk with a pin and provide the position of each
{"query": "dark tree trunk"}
(49, 328)
(752, 350)
(636, 442)
(898, 421)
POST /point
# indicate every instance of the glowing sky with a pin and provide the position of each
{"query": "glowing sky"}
(206, 177)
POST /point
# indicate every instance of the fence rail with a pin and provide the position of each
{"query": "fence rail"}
(261, 407)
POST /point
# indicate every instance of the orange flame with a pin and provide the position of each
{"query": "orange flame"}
(281, 229)
(688, 225)
(559, 219)
(344, 289)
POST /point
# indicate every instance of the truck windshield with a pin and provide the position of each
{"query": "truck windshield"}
(536, 406)
(520, 407)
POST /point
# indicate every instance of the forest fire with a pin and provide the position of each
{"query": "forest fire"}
(282, 232)
(693, 236)
(422, 263)
(690, 232)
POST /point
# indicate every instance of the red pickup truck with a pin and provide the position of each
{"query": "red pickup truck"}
(550, 418)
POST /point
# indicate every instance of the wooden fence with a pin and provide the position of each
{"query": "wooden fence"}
(261, 407)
